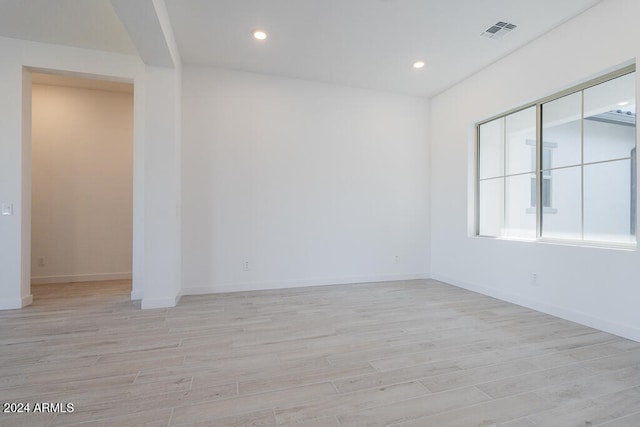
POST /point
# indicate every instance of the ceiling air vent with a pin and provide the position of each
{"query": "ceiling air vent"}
(498, 30)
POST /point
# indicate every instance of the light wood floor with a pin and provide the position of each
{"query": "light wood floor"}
(417, 353)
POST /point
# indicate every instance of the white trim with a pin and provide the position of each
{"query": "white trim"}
(15, 303)
(625, 331)
(137, 295)
(566, 242)
(151, 303)
(38, 280)
(28, 300)
(284, 284)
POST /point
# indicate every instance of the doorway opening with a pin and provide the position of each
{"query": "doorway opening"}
(81, 187)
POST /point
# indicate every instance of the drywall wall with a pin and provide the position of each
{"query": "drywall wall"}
(156, 154)
(18, 58)
(162, 243)
(147, 23)
(594, 286)
(290, 183)
(82, 184)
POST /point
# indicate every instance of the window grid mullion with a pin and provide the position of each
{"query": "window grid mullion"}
(539, 152)
(504, 174)
(582, 165)
(476, 201)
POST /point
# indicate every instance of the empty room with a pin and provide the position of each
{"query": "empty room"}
(328, 213)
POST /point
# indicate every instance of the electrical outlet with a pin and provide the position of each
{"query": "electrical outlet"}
(245, 265)
(534, 279)
(7, 209)
(41, 261)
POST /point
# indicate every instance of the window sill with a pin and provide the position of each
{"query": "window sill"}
(631, 246)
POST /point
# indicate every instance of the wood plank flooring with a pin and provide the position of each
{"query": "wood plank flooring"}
(413, 353)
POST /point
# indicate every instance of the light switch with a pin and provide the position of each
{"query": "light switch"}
(7, 209)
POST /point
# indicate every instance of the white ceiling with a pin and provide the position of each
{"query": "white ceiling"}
(90, 24)
(362, 43)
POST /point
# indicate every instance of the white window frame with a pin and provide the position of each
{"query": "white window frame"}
(539, 170)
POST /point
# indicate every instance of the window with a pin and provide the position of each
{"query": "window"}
(507, 165)
(562, 168)
(546, 177)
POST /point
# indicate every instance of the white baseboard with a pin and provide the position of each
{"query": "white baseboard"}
(15, 303)
(151, 303)
(284, 284)
(38, 280)
(621, 330)
(136, 295)
(28, 300)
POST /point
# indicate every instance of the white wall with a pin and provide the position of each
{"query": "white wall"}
(156, 156)
(82, 184)
(147, 23)
(595, 286)
(15, 144)
(162, 206)
(309, 183)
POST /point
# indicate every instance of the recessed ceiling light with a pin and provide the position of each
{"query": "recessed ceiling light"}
(259, 34)
(622, 104)
(418, 64)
